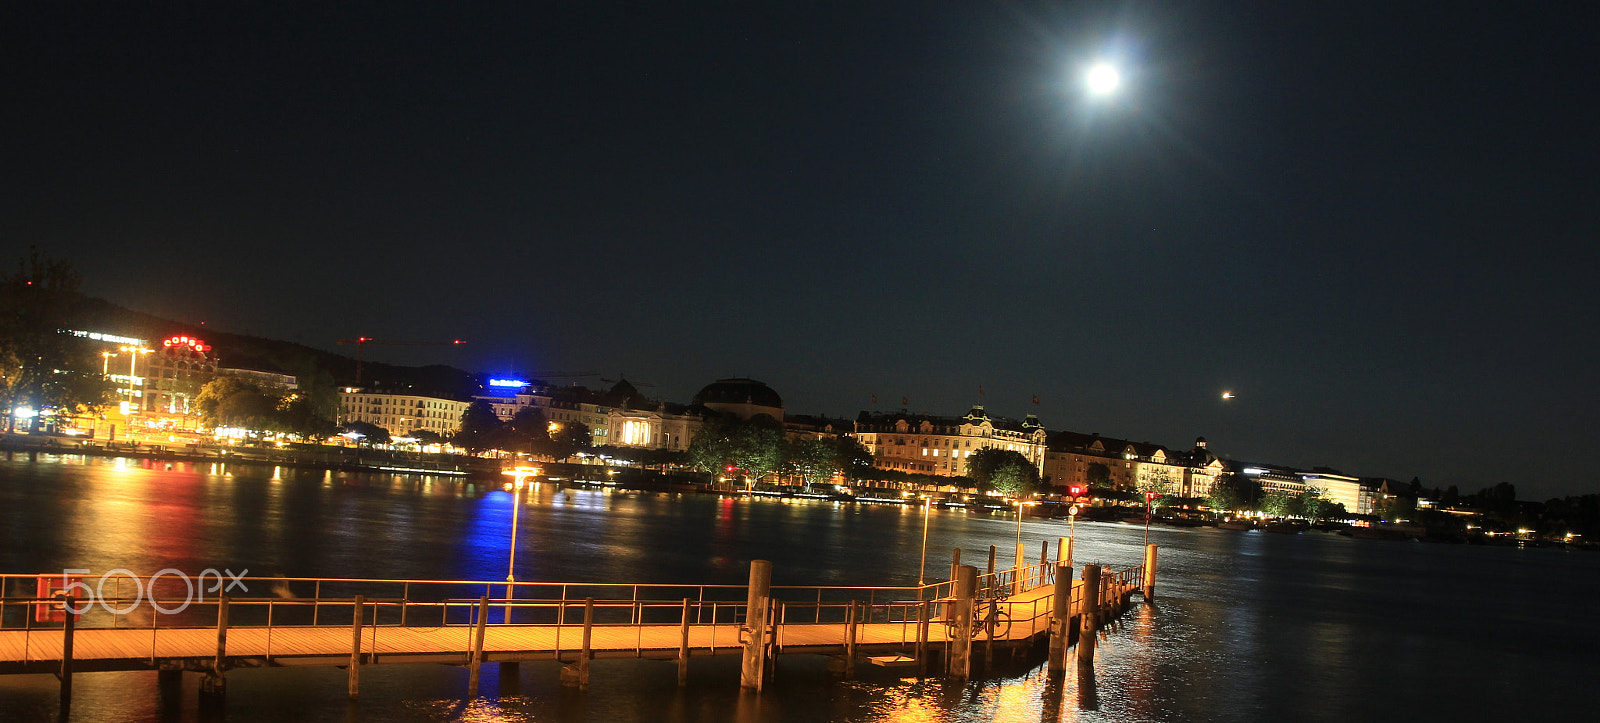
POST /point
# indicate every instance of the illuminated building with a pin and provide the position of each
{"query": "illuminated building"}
(1085, 459)
(176, 371)
(401, 414)
(926, 444)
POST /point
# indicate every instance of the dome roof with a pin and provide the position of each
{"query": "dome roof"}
(738, 391)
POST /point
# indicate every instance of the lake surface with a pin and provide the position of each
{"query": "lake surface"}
(1246, 625)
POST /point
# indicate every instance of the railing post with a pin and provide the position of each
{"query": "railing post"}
(1089, 622)
(355, 646)
(922, 637)
(754, 632)
(1149, 572)
(588, 650)
(1060, 618)
(960, 662)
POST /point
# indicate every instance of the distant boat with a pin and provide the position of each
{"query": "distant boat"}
(1235, 525)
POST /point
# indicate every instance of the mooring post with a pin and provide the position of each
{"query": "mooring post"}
(1149, 572)
(683, 646)
(1018, 584)
(850, 639)
(1060, 618)
(215, 685)
(588, 648)
(988, 572)
(955, 563)
(753, 669)
(960, 661)
(355, 647)
(66, 653)
(1064, 551)
(1090, 614)
(475, 659)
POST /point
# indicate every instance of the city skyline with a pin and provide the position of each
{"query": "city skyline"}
(1368, 225)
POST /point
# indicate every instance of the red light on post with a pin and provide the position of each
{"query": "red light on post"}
(1075, 490)
(1150, 496)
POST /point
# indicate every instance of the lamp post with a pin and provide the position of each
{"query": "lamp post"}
(518, 474)
(922, 567)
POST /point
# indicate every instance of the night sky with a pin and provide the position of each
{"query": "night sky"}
(1375, 223)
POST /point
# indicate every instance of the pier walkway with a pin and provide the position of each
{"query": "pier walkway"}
(171, 624)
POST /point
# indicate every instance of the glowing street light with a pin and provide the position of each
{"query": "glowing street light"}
(520, 474)
(922, 568)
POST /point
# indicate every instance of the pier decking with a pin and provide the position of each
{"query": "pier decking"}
(354, 623)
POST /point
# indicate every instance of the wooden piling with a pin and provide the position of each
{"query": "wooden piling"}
(960, 660)
(754, 632)
(215, 685)
(1149, 572)
(683, 646)
(475, 659)
(1064, 551)
(588, 649)
(850, 639)
(355, 647)
(1018, 584)
(1060, 618)
(67, 625)
(1089, 620)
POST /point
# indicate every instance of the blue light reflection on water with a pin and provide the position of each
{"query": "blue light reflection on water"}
(1248, 626)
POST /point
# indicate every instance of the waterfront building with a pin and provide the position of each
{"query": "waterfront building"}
(934, 445)
(174, 374)
(1342, 489)
(401, 414)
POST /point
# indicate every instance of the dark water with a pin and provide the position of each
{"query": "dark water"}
(1247, 626)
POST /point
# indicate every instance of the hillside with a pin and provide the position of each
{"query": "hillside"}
(283, 357)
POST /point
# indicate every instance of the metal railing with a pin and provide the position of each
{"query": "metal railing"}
(173, 602)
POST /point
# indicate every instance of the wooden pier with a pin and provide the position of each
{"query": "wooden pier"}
(349, 623)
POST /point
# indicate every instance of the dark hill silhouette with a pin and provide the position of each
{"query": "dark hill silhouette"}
(283, 357)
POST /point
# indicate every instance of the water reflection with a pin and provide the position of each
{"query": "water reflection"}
(1249, 626)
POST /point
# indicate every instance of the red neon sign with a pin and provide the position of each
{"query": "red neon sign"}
(190, 343)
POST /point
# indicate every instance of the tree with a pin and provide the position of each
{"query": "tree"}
(1098, 475)
(367, 432)
(754, 448)
(427, 437)
(813, 459)
(851, 457)
(527, 431)
(234, 402)
(1234, 492)
(1003, 470)
(1311, 505)
(479, 428)
(570, 438)
(39, 365)
(298, 414)
(1278, 503)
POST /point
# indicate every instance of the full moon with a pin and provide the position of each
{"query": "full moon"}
(1102, 79)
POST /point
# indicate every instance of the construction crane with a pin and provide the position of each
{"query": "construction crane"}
(362, 341)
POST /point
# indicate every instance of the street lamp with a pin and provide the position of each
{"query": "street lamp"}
(519, 474)
(922, 568)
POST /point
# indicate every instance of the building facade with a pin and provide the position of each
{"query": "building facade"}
(401, 414)
(932, 445)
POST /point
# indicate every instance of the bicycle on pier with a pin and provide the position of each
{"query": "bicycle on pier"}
(990, 615)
